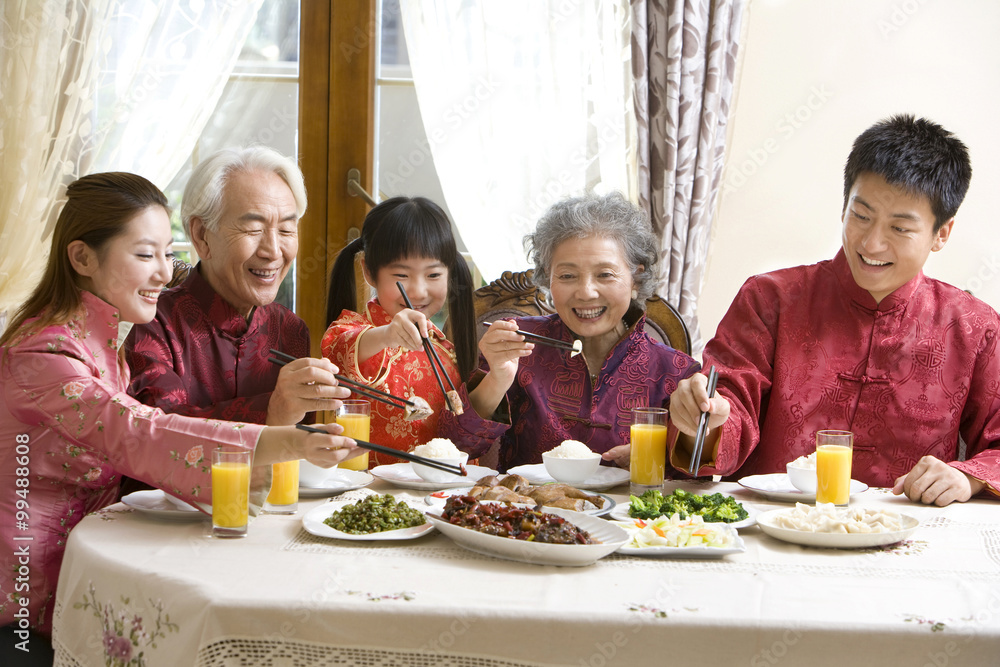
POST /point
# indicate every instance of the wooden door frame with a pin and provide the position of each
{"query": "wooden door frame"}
(336, 133)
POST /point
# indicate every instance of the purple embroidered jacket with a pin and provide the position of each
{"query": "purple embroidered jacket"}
(552, 398)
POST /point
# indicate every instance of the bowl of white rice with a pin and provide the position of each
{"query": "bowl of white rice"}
(572, 462)
(439, 449)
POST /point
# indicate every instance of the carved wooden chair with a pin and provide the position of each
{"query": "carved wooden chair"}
(514, 295)
(181, 271)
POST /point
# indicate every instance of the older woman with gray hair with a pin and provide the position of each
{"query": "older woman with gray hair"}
(593, 257)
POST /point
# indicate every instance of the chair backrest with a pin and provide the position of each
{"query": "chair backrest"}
(514, 295)
(181, 271)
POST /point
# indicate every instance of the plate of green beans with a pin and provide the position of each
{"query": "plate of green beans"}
(376, 517)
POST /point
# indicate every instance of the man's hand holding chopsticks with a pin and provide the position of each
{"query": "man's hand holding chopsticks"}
(687, 403)
(304, 385)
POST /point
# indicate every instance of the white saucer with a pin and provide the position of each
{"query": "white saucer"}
(402, 475)
(777, 486)
(155, 503)
(605, 477)
(339, 481)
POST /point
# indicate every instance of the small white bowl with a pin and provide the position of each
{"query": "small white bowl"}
(801, 477)
(436, 476)
(571, 471)
(311, 474)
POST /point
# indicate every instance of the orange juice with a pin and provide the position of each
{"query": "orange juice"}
(284, 483)
(833, 474)
(230, 494)
(649, 454)
(355, 426)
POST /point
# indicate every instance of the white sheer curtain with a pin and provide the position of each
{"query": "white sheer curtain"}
(524, 102)
(49, 55)
(100, 85)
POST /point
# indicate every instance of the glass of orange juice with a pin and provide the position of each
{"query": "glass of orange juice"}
(356, 418)
(230, 493)
(283, 497)
(833, 466)
(648, 457)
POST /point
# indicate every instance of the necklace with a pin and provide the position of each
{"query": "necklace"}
(620, 330)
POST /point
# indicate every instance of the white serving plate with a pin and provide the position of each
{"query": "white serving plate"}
(440, 497)
(313, 523)
(339, 481)
(738, 546)
(402, 475)
(605, 477)
(777, 486)
(620, 513)
(612, 537)
(834, 540)
(156, 503)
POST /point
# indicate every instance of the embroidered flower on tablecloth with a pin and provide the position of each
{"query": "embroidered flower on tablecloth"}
(93, 474)
(73, 390)
(126, 639)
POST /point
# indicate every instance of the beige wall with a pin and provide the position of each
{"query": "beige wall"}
(816, 74)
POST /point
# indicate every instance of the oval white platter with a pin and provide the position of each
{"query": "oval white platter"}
(611, 538)
(834, 540)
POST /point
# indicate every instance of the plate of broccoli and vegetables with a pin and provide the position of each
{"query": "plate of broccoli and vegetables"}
(712, 508)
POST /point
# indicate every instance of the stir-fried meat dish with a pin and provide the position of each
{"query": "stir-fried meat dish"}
(517, 523)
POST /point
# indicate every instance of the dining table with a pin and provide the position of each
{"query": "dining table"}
(140, 589)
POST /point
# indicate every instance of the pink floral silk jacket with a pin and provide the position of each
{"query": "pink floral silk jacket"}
(68, 431)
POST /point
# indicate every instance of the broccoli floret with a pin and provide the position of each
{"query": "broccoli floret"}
(646, 506)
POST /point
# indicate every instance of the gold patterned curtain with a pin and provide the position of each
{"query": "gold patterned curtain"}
(684, 55)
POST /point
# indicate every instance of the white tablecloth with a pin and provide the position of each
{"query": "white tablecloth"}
(132, 584)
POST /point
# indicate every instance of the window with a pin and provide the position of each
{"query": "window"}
(260, 104)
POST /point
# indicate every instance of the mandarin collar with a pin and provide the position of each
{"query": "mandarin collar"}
(863, 297)
(99, 324)
(224, 318)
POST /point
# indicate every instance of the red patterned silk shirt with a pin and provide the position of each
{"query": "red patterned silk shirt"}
(200, 357)
(806, 348)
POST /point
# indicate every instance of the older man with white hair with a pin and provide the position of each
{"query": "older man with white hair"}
(206, 352)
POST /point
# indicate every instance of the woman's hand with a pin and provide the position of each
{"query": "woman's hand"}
(620, 455)
(503, 348)
(287, 443)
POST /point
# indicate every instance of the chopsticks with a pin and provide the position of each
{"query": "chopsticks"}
(699, 441)
(576, 347)
(281, 358)
(430, 463)
(433, 358)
